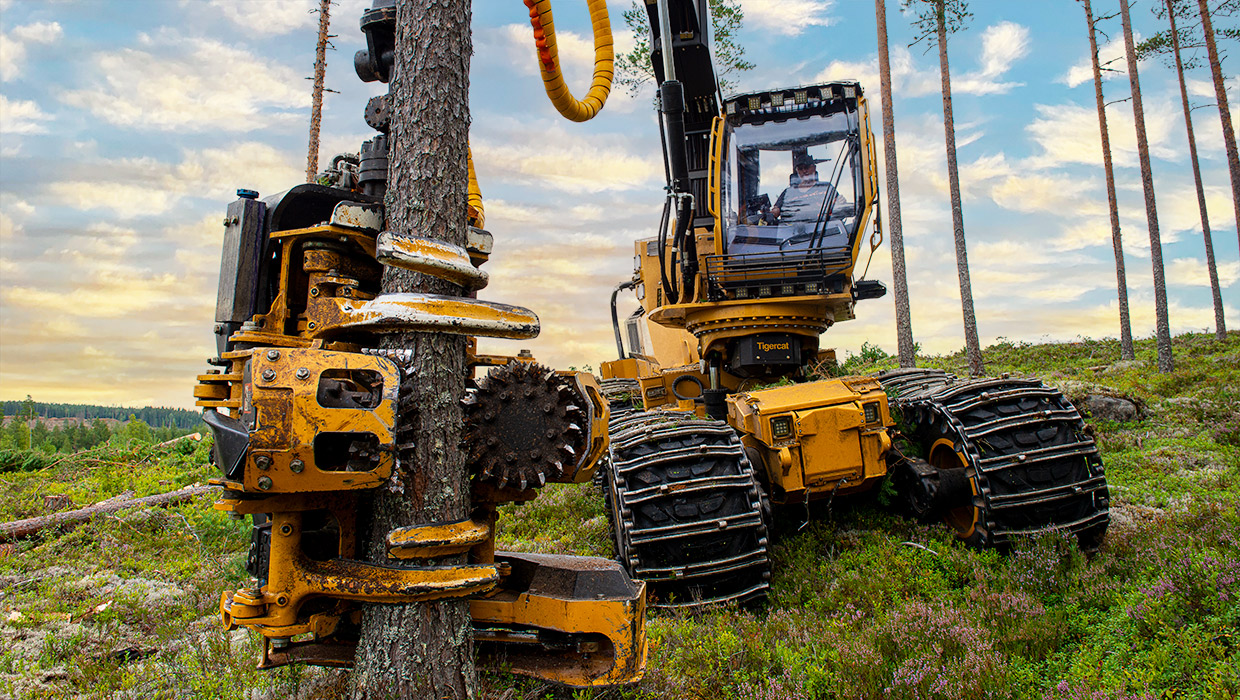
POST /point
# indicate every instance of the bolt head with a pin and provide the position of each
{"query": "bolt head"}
(303, 373)
(297, 466)
(264, 483)
(269, 375)
(262, 462)
(273, 354)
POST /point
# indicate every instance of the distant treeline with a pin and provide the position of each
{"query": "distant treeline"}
(156, 417)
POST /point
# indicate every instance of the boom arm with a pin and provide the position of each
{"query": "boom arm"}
(686, 153)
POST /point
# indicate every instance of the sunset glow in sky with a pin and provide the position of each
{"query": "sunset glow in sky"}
(126, 127)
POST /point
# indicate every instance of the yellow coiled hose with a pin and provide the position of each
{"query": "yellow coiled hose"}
(473, 209)
(549, 64)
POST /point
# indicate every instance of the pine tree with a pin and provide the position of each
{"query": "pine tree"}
(1224, 112)
(904, 323)
(1220, 324)
(1117, 243)
(942, 17)
(425, 650)
(1162, 326)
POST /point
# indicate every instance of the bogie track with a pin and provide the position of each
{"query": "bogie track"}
(687, 509)
(1030, 462)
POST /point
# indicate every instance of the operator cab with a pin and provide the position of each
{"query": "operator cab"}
(792, 192)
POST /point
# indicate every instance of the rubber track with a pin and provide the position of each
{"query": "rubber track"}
(1034, 465)
(687, 510)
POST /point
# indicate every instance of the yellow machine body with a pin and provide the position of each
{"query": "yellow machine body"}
(772, 299)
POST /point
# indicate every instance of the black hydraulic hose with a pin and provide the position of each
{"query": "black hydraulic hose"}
(682, 227)
(615, 319)
(668, 288)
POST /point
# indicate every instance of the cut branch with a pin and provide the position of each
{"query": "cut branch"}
(19, 529)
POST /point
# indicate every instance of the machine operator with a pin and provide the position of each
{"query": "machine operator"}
(802, 200)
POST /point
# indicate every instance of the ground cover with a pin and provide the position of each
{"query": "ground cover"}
(864, 604)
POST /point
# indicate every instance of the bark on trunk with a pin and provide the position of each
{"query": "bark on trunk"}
(18, 529)
(316, 103)
(1224, 112)
(1162, 327)
(425, 650)
(972, 348)
(1121, 276)
(904, 323)
(1220, 326)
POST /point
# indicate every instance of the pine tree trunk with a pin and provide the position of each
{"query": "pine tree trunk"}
(1224, 112)
(1220, 326)
(1162, 327)
(1121, 277)
(425, 651)
(972, 348)
(904, 323)
(316, 102)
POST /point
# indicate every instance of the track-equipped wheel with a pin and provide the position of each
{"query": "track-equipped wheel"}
(686, 510)
(1006, 457)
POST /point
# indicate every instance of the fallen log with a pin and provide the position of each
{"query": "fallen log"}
(25, 528)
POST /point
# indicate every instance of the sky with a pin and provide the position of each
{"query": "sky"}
(127, 126)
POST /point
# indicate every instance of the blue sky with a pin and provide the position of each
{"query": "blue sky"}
(126, 126)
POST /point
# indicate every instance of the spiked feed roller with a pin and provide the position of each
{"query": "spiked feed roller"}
(524, 424)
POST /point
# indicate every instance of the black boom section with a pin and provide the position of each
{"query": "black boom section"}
(687, 510)
(689, 21)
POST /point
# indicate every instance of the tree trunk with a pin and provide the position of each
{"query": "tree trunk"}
(1162, 327)
(904, 323)
(1224, 113)
(1121, 277)
(972, 348)
(424, 650)
(316, 103)
(1220, 326)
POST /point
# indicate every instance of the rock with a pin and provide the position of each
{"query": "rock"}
(1123, 366)
(1110, 408)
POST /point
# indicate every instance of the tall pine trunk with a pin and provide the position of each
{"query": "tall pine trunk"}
(1162, 327)
(424, 651)
(904, 323)
(1121, 277)
(1220, 326)
(972, 348)
(316, 102)
(1224, 112)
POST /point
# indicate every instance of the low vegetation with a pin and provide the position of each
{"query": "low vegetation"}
(865, 604)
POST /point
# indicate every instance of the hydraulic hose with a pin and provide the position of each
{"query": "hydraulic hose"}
(549, 64)
(473, 209)
(615, 318)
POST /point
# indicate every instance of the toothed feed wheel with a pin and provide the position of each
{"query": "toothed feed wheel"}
(524, 426)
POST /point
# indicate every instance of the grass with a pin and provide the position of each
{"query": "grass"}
(126, 605)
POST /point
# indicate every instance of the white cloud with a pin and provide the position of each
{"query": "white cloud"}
(201, 85)
(133, 187)
(1068, 133)
(1193, 271)
(788, 17)
(267, 18)
(21, 117)
(1002, 45)
(13, 45)
(567, 161)
(1111, 58)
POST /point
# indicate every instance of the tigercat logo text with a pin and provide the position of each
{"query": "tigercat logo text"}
(767, 347)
